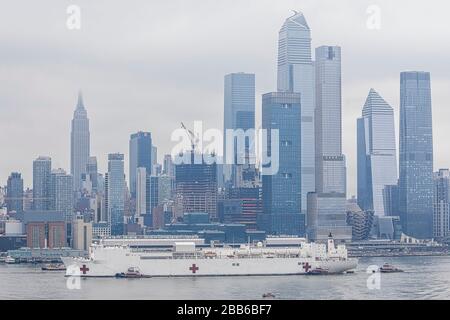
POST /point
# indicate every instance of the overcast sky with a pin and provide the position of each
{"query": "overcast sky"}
(147, 65)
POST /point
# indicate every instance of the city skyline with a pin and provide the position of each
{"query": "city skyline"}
(355, 87)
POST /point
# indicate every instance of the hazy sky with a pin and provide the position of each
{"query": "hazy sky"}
(147, 65)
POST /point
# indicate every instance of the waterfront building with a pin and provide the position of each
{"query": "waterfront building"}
(41, 183)
(296, 74)
(441, 204)
(79, 143)
(81, 234)
(416, 155)
(14, 193)
(281, 191)
(360, 221)
(376, 155)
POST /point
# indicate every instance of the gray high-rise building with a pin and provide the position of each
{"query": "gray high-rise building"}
(327, 205)
(416, 155)
(376, 155)
(80, 143)
(14, 193)
(239, 113)
(115, 193)
(42, 167)
(140, 156)
(61, 193)
(441, 204)
(296, 74)
(281, 191)
(92, 171)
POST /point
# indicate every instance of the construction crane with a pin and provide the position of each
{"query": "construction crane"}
(192, 137)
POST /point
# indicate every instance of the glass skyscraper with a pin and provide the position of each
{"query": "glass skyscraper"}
(376, 155)
(281, 192)
(42, 167)
(115, 193)
(416, 154)
(140, 156)
(79, 144)
(326, 207)
(441, 204)
(296, 74)
(61, 193)
(14, 193)
(239, 110)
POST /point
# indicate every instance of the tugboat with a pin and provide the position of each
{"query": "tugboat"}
(318, 271)
(388, 268)
(268, 295)
(132, 272)
(53, 267)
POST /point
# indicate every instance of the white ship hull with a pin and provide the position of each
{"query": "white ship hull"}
(110, 262)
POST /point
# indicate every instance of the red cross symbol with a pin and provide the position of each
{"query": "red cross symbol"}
(306, 266)
(84, 269)
(194, 268)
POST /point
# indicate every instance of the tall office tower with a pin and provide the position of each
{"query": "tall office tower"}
(376, 154)
(239, 113)
(166, 185)
(196, 189)
(42, 167)
(152, 193)
(296, 74)
(141, 191)
(14, 193)
(79, 143)
(28, 200)
(441, 204)
(327, 206)
(416, 155)
(282, 190)
(61, 193)
(168, 166)
(115, 193)
(154, 159)
(92, 171)
(140, 156)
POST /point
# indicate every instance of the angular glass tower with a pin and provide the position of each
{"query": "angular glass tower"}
(140, 156)
(281, 192)
(296, 74)
(79, 143)
(416, 154)
(376, 154)
(239, 108)
(14, 193)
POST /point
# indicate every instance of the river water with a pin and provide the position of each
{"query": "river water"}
(423, 278)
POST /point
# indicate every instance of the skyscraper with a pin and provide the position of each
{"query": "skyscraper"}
(140, 156)
(169, 167)
(296, 74)
(376, 155)
(141, 191)
(441, 204)
(115, 193)
(14, 193)
(61, 193)
(239, 111)
(42, 167)
(281, 191)
(196, 188)
(327, 205)
(92, 171)
(416, 154)
(80, 143)
(154, 159)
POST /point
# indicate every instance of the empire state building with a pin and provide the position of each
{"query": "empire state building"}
(79, 144)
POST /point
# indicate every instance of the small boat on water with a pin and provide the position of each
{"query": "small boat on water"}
(132, 272)
(318, 271)
(53, 267)
(388, 268)
(268, 295)
(10, 260)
